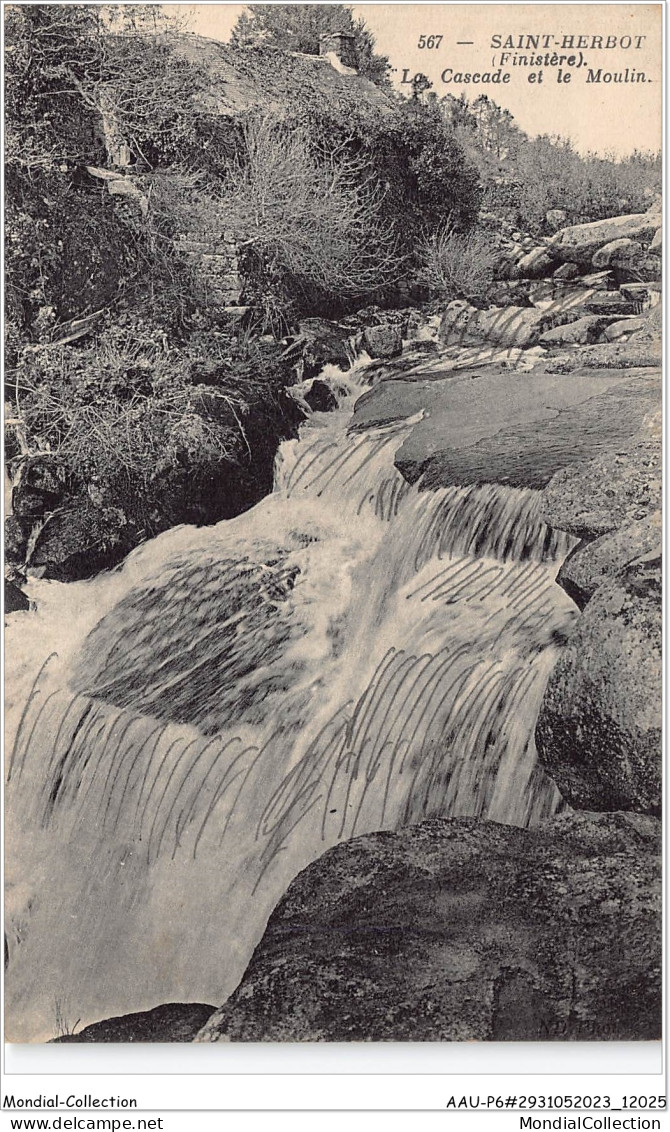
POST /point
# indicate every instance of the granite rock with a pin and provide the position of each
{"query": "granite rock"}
(461, 930)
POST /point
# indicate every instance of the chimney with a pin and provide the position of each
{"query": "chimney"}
(341, 45)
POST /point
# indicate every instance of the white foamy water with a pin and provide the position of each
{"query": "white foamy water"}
(187, 733)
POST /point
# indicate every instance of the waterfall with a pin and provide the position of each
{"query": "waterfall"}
(350, 655)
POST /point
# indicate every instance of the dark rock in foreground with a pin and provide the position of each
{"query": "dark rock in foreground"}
(599, 729)
(324, 343)
(460, 930)
(382, 341)
(320, 397)
(15, 599)
(172, 1022)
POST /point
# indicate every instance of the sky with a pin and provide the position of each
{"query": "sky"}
(614, 117)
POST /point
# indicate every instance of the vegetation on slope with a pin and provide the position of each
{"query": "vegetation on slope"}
(137, 398)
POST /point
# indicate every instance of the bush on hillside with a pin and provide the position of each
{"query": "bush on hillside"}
(145, 433)
(525, 177)
(163, 411)
(550, 174)
(457, 265)
(310, 224)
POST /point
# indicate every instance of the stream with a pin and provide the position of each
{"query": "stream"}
(188, 732)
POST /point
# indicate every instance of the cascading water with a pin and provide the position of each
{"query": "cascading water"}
(351, 655)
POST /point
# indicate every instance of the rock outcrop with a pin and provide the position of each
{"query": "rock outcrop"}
(601, 495)
(590, 564)
(578, 333)
(599, 729)
(323, 342)
(618, 253)
(463, 324)
(633, 353)
(578, 243)
(382, 341)
(460, 930)
(15, 599)
(320, 397)
(509, 428)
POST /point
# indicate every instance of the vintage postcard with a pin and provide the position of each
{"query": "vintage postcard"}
(332, 522)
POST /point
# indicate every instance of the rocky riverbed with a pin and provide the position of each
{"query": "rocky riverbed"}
(463, 927)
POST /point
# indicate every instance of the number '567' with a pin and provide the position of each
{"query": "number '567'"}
(430, 41)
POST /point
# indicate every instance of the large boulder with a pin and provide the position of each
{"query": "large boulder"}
(382, 341)
(509, 428)
(76, 539)
(638, 352)
(460, 930)
(618, 253)
(578, 243)
(323, 342)
(622, 328)
(599, 728)
(621, 486)
(591, 563)
(598, 734)
(579, 333)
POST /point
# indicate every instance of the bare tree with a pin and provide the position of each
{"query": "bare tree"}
(314, 215)
(457, 265)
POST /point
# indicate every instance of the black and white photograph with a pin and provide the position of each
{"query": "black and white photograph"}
(332, 523)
